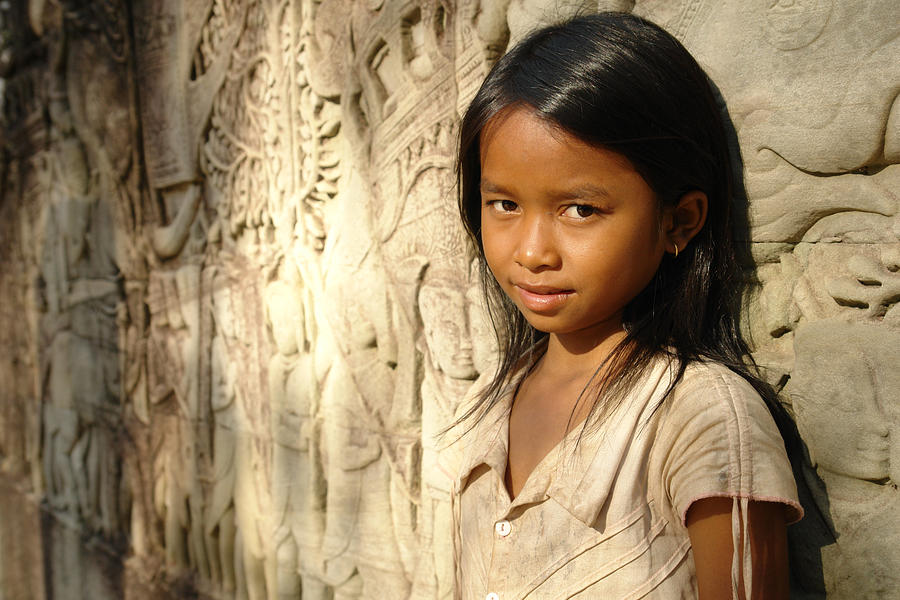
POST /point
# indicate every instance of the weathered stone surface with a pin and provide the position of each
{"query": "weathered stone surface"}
(238, 307)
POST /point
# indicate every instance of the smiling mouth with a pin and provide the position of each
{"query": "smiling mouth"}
(542, 299)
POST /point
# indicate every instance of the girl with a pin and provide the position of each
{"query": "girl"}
(623, 449)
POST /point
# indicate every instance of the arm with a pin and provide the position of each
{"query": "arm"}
(709, 527)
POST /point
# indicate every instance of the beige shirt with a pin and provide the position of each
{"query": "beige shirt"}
(605, 517)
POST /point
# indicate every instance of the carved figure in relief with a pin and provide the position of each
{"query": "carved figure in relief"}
(419, 237)
(269, 160)
(452, 325)
(297, 482)
(175, 344)
(401, 51)
(405, 50)
(481, 36)
(846, 282)
(239, 514)
(79, 274)
(82, 260)
(405, 417)
(164, 369)
(873, 286)
(357, 393)
(843, 389)
(251, 501)
(357, 366)
(193, 449)
(60, 429)
(255, 573)
(80, 461)
(808, 125)
(68, 217)
(219, 519)
(176, 99)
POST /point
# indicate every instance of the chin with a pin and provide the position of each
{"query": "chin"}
(462, 372)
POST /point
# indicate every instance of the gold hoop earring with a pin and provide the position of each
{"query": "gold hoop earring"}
(676, 249)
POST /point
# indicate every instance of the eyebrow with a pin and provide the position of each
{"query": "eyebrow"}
(586, 191)
(491, 187)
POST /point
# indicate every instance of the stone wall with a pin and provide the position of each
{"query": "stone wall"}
(236, 303)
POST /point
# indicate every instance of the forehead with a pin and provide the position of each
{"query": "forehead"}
(519, 147)
(520, 120)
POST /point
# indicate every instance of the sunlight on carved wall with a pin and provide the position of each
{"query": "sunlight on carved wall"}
(238, 304)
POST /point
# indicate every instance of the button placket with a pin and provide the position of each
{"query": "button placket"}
(492, 596)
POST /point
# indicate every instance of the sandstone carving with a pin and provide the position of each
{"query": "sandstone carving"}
(857, 460)
(239, 310)
(177, 91)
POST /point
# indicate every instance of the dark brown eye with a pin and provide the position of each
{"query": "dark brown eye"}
(505, 205)
(580, 211)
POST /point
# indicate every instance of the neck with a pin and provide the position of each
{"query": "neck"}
(581, 352)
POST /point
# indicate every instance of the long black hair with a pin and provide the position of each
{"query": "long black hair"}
(619, 82)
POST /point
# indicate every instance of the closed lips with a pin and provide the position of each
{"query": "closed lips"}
(543, 299)
(542, 290)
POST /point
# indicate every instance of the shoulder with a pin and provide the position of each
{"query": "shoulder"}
(710, 397)
(712, 407)
(714, 394)
(717, 437)
(716, 382)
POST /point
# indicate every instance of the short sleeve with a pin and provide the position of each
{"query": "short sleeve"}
(717, 438)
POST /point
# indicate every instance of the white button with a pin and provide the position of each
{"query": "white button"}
(492, 596)
(503, 528)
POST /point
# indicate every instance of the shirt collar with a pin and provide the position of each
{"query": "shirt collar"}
(586, 476)
(488, 441)
(578, 474)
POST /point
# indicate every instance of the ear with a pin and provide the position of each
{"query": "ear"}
(685, 220)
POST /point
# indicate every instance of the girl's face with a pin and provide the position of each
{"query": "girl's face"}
(571, 232)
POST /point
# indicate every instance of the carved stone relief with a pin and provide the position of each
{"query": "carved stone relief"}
(241, 309)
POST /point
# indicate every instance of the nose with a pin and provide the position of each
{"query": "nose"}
(465, 341)
(464, 353)
(536, 249)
